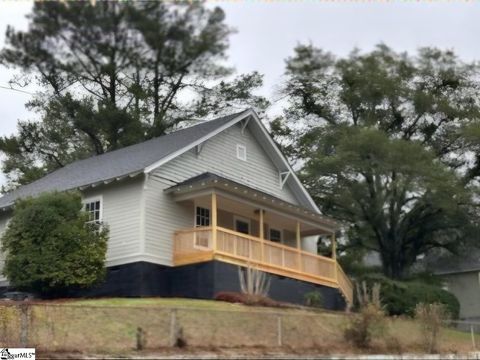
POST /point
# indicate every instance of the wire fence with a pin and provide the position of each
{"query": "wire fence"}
(468, 326)
(72, 328)
(115, 329)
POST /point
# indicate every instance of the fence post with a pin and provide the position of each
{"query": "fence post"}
(24, 310)
(279, 330)
(141, 338)
(173, 328)
(473, 337)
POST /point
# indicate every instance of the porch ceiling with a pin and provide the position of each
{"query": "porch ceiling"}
(205, 183)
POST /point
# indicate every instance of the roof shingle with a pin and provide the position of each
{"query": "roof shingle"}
(118, 163)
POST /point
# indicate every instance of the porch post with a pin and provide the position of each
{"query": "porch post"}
(334, 256)
(334, 247)
(299, 246)
(261, 234)
(214, 220)
(260, 224)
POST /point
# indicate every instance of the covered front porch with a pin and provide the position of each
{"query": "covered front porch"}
(239, 225)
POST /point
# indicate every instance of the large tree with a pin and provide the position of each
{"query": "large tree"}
(380, 140)
(116, 73)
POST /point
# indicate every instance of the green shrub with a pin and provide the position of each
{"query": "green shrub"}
(50, 249)
(426, 278)
(402, 297)
(314, 299)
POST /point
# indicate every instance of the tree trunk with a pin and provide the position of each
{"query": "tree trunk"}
(393, 265)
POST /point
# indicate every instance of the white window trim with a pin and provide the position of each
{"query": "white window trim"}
(275, 229)
(243, 219)
(195, 246)
(195, 214)
(244, 148)
(94, 199)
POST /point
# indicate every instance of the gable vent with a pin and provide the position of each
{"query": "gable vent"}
(241, 152)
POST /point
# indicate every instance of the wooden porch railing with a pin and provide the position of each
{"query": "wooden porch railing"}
(345, 284)
(195, 245)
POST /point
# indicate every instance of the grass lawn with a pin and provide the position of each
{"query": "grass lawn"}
(164, 303)
(159, 302)
(182, 303)
(111, 325)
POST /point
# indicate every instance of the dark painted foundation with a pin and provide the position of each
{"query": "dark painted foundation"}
(199, 281)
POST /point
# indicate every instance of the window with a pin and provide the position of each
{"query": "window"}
(275, 235)
(202, 217)
(242, 225)
(241, 152)
(93, 208)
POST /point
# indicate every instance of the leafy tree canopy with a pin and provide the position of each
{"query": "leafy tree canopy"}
(49, 247)
(381, 141)
(114, 74)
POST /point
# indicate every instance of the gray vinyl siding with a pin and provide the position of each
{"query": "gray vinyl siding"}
(121, 212)
(121, 202)
(218, 155)
(162, 217)
(466, 287)
(3, 226)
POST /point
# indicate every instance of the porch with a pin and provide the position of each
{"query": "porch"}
(273, 236)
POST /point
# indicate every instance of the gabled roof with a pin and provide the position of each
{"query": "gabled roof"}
(115, 164)
(466, 261)
(149, 155)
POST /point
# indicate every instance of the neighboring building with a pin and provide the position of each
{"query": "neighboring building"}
(186, 209)
(461, 277)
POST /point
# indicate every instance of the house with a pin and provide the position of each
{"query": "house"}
(185, 210)
(460, 275)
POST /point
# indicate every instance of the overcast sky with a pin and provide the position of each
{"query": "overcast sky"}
(269, 30)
